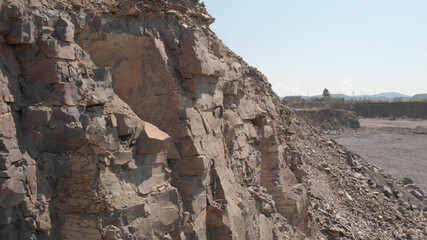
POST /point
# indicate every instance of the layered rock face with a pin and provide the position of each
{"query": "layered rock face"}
(132, 120)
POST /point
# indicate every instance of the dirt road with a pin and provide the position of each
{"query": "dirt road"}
(399, 147)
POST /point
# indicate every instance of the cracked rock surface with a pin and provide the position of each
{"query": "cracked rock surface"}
(132, 120)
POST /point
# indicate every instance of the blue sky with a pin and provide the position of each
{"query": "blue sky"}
(303, 46)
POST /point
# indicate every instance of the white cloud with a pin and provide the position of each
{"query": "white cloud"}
(290, 88)
(348, 87)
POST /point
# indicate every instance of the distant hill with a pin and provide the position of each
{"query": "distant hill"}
(384, 96)
(387, 96)
(420, 96)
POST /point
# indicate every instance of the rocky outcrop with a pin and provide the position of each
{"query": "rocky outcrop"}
(132, 120)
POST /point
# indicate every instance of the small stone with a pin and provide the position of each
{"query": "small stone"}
(387, 191)
(266, 209)
(410, 232)
(417, 194)
(406, 205)
(407, 181)
(131, 165)
(348, 196)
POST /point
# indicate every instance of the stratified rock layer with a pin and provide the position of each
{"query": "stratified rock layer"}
(131, 120)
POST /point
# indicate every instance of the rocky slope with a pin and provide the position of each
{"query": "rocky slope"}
(132, 120)
(329, 120)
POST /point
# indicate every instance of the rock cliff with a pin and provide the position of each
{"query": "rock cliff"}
(132, 120)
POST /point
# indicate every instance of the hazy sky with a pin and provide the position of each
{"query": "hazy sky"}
(303, 46)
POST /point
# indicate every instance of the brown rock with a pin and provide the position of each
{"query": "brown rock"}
(99, 88)
(6, 144)
(48, 68)
(66, 114)
(63, 94)
(164, 211)
(21, 33)
(26, 52)
(193, 166)
(123, 157)
(62, 138)
(126, 125)
(152, 140)
(38, 116)
(193, 194)
(56, 49)
(148, 177)
(65, 30)
(195, 59)
(12, 192)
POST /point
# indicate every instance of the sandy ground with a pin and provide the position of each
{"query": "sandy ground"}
(393, 146)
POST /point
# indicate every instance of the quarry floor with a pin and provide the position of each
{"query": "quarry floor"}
(391, 145)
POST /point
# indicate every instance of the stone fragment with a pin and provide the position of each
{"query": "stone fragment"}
(172, 151)
(164, 211)
(7, 125)
(416, 194)
(21, 33)
(195, 59)
(102, 74)
(12, 192)
(193, 166)
(407, 181)
(133, 12)
(123, 157)
(387, 191)
(148, 177)
(112, 121)
(101, 90)
(63, 94)
(65, 30)
(13, 11)
(265, 228)
(66, 114)
(266, 209)
(56, 49)
(38, 116)
(126, 126)
(131, 165)
(43, 70)
(230, 88)
(193, 194)
(152, 140)
(6, 144)
(26, 52)
(292, 203)
(62, 138)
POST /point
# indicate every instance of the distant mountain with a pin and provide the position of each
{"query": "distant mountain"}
(390, 95)
(384, 96)
(420, 96)
(387, 96)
